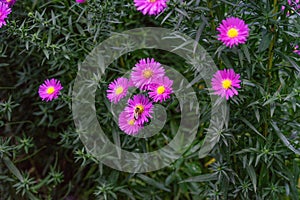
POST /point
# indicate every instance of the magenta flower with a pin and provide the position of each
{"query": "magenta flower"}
(4, 12)
(150, 7)
(225, 82)
(117, 90)
(10, 3)
(128, 124)
(139, 108)
(296, 50)
(50, 89)
(294, 4)
(161, 90)
(80, 1)
(233, 31)
(146, 72)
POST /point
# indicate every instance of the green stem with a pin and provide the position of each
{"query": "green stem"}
(272, 44)
(266, 127)
(19, 122)
(30, 156)
(7, 88)
(211, 13)
(271, 59)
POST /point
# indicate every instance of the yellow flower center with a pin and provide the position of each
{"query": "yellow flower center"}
(232, 33)
(161, 90)
(140, 109)
(226, 84)
(50, 90)
(8, 1)
(119, 90)
(131, 122)
(152, 1)
(147, 73)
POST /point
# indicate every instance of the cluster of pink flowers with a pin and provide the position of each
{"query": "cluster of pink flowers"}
(232, 31)
(294, 4)
(149, 77)
(5, 10)
(295, 7)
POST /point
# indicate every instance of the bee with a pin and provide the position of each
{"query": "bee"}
(137, 112)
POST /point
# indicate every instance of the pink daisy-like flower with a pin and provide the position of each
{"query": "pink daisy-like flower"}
(145, 72)
(50, 89)
(80, 1)
(4, 12)
(10, 3)
(296, 50)
(117, 89)
(225, 82)
(128, 124)
(150, 7)
(139, 108)
(161, 90)
(233, 31)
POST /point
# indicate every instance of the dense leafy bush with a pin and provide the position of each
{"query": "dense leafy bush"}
(42, 156)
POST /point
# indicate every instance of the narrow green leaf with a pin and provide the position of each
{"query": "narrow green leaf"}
(12, 168)
(284, 139)
(166, 17)
(46, 53)
(246, 52)
(252, 127)
(252, 174)
(201, 178)
(265, 42)
(31, 196)
(183, 12)
(154, 183)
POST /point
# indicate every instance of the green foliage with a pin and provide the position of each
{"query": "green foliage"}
(42, 156)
